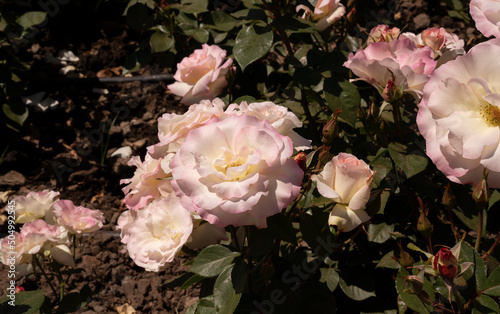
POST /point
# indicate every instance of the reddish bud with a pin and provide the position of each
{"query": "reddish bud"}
(445, 263)
(330, 130)
(19, 289)
(300, 159)
(391, 91)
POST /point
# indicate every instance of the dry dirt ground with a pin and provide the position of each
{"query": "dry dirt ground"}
(60, 148)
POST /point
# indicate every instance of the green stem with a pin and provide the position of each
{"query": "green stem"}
(104, 148)
(492, 247)
(49, 281)
(479, 229)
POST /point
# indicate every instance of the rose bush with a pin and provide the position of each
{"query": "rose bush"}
(236, 171)
(347, 181)
(459, 116)
(202, 75)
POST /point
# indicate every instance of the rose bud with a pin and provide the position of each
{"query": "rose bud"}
(448, 199)
(330, 130)
(19, 289)
(445, 263)
(481, 193)
(391, 91)
(434, 37)
(424, 226)
(300, 159)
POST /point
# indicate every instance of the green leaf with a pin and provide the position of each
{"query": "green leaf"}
(408, 295)
(388, 261)
(411, 163)
(492, 284)
(495, 197)
(137, 16)
(226, 299)
(348, 100)
(379, 233)
(330, 277)
(351, 288)
(223, 21)
(191, 281)
(251, 44)
(194, 6)
(476, 274)
(160, 42)
(212, 260)
(484, 305)
(27, 302)
(282, 228)
(18, 118)
(206, 306)
(30, 19)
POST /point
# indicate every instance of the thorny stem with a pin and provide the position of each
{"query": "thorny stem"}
(452, 223)
(492, 247)
(396, 113)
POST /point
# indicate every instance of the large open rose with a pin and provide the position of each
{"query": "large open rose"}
(346, 180)
(400, 61)
(486, 14)
(202, 75)
(156, 234)
(236, 171)
(459, 116)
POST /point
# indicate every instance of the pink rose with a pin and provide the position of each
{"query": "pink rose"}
(446, 46)
(445, 263)
(486, 14)
(280, 118)
(346, 180)
(236, 171)
(202, 75)
(156, 234)
(77, 219)
(399, 60)
(326, 13)
(173, 128)
(382, 33)
(34, 205)
(459, 116)
(150, 181)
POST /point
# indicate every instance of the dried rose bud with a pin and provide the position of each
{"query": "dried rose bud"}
(481, 193)
(330, 130)
(445, 263)
(448, 199)
(300, 159)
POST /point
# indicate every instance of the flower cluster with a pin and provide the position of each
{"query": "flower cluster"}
(48, 227)
(404, 60)
(216, 167)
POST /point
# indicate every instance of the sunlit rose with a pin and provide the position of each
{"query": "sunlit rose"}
(151, 180)
(35, 205)
(459, 116)
(157, 233)
(325, 13)
(202, 75)
(236, 171)
(77, 219)
(346, 180)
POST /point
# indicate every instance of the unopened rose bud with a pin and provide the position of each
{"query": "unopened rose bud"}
(330, 130)
(391, 91)
(300, 159)
(481, 193)
(19, 289)
(434, 38)
(424, 226)
(448, 199)
(404, 258)
(445, 264)
(324, 157)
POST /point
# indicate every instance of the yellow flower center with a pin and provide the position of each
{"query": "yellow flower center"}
(490, 115)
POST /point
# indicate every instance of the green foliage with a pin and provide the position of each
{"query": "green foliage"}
(27, 302)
